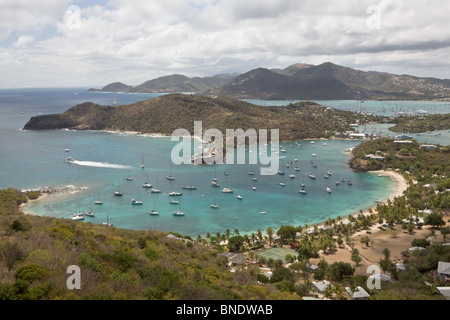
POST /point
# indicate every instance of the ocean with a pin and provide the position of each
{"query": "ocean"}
(104, 161)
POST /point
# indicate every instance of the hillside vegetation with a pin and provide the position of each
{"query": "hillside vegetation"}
(170, 112)
(419, 124)
(35, 253)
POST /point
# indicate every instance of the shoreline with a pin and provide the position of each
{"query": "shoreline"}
(400, 185)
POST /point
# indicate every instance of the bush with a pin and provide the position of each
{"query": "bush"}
(31, 272)
(424, 243)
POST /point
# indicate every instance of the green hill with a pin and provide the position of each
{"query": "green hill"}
(170, 112)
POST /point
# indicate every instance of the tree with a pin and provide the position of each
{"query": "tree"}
(445, 231)
(269, 232)
(11, 253)
(423, 242)
(235, 243)
(434, 219)
(365, 240)
(287, 233)
(338, 270)
(356, 257)
(282, 273)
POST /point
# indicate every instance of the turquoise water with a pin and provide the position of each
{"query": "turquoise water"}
(31, 159)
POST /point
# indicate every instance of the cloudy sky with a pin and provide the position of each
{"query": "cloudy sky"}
(90, 43)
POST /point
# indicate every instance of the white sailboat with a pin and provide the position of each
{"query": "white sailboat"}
(146, 184)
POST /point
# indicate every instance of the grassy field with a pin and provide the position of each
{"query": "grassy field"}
(276, 254)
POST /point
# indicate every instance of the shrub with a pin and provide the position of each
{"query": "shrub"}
(31, 272)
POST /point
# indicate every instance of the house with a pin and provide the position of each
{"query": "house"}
(234, 258)
(401, 267)
(357, 136)
(445, 291)
(428, 147)
(312, 267)
(374, 157)
(358, 294)
(321, 286)
(380, 277)
(415, 249)
(444, 271)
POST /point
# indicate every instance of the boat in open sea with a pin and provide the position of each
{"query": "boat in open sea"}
(189, 188)
(312, 176)
(226, 190)
(328, 190)
(170, 178)
(135, 202)
(175, 194)
(178, 213)
(153, 213)
(302, 191)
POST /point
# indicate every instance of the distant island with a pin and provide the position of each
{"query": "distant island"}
(326, 81)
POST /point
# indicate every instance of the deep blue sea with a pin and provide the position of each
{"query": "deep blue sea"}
(32, 159)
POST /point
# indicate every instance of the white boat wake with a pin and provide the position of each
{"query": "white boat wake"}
(100, 164)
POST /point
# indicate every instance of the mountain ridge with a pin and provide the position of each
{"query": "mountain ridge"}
(299, 81)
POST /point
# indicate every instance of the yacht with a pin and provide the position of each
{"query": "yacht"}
(98, 202)
(328, 190)
(226, 190)
(329, 173)
(215, 184)
(302, 191)
(174, 202)
(349, 182)
(70, 160)
(239, 197)
(178, 213)
(251, 173)
(170, 178)
(326, 176)
(255, 179)
(314, 155)
(337, 183)
(281, 173)
(117, 194)
(292, 176)
(189, 188)
(214, 206)
(78, 216)
(312, 176)
(254, 188)
(153, 213)
(297, 169)
(147, 185)
(175, 194)
(134, 202)
(282, 184)
(155, 191)
(89, 214)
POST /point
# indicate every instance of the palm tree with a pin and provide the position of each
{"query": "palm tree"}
(236, 232)
(260, 237)
(269, 232)
(227, 233)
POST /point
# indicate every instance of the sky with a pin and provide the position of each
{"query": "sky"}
(91, 43)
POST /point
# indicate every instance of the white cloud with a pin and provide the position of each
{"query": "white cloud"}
(136, 41)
